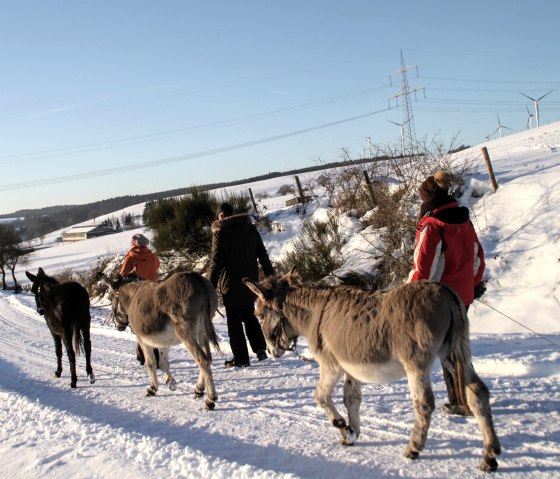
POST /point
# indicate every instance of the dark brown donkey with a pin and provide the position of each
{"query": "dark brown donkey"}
(66, 310)
(176, 310)
(375, 337)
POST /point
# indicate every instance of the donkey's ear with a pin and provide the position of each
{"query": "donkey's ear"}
(256, 288)
(32, 277)
(105, 280)
(293, 278)
(41, 272)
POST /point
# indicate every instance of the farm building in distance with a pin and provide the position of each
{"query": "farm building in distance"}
(83, 232)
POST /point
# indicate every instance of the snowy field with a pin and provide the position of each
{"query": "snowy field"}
(266, 423)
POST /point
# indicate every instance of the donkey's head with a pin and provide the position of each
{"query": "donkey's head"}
(39, 288)
(118, 312)
(269, 307)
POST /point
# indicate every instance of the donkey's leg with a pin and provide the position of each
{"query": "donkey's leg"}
(478, 399)
(329, 374)
(87, 350)
(204, 361)
(352, 401)
(164, 366)
(200, 383)
(67, 340)
(58, 350)
(151, 367)
(424, 404)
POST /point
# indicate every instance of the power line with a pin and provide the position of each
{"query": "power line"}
(176, 159)
(70, 150)
(474, 80)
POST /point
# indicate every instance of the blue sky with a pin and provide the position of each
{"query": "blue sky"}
(101, 99)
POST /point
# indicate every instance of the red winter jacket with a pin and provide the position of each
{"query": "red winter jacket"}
(145, 262)
(447, 250)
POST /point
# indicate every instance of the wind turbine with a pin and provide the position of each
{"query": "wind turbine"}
(536, 102)
(402, 132)
(500, 127)
(529, 118)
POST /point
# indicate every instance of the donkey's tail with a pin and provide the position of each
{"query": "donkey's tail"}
(459, 347)
(78, 341)
(209, 309)
(470, 391)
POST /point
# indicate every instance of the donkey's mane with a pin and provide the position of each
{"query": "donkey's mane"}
(127, 280)
(50, 280)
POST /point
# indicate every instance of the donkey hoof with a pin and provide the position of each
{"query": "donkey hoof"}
(150, 391)
(171, 384)
(489, 464)
(349, 436)
(210, 405)
(410, 453)
(198, 393)
(91, 378)
(57, 373)
(73, 385)
(339, 423)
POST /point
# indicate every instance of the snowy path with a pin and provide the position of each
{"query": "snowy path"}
(266, 423)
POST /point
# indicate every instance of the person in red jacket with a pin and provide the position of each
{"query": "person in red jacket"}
(141, 259)
(145, 264)
(447, 249)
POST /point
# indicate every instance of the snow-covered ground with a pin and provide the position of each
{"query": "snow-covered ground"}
(266, 423)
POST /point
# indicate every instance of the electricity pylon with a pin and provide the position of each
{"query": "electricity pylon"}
(409, 137)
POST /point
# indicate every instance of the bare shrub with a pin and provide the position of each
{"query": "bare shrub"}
(390, 198)
(285, 190)
(86, 277)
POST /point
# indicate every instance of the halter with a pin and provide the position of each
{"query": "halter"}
(279, 331)
(115, 314)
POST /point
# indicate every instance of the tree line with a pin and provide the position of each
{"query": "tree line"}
(35, 223)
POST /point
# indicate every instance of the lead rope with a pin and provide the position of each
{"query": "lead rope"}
(301, 356)
(520, 324)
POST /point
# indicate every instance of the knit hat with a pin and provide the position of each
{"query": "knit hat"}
(226, 209)
(140, 240)
(435, 187)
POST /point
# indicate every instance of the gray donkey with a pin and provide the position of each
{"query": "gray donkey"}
(177, 310)
(374, 338)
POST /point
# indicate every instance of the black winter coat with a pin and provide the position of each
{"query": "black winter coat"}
(236, 248)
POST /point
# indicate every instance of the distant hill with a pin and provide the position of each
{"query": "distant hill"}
(34, 223)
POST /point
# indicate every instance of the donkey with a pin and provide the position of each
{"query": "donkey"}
(377, 337)
(176, 310)
(66, 310)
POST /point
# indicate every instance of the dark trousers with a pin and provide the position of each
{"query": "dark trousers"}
(237, 317)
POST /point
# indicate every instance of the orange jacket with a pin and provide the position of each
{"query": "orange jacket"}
(145, 262)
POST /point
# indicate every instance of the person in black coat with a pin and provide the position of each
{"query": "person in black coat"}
(237, 248)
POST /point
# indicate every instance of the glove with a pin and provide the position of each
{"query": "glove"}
(479, 289)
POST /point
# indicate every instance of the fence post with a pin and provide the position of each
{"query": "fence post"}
(370, 188)
(489, 168)
(300, 190)
(253, 201)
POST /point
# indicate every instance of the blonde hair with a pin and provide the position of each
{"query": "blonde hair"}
(442, 179)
